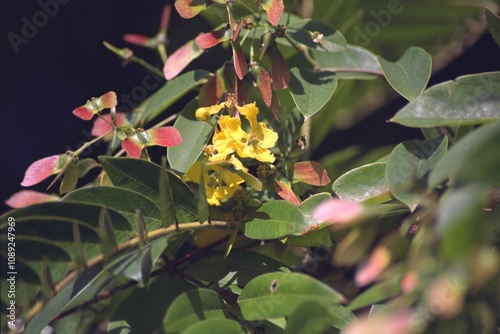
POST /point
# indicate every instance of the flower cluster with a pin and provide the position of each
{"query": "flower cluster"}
(229, 141)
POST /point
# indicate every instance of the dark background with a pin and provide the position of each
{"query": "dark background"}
(64, 63)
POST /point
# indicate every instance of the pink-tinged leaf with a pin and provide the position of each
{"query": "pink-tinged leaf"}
(165, 18)
(40, 170)
(240, 63)
(237, 29)
(310, 172)
(341, 213)
(210, 39)
(280, 73)
(25, 198)
(189, 8)
(108, 100)
(380, 323)
(180, 59)
(276, 107)
(84, 113)
(132, 148)
(136, 39)
(211, 92)
(166, 136)
(285, 191)
(264, 84)
(101, 126)
(369, 270)
(409, 282)
(445, 295)
(274, 10)
(243, 91)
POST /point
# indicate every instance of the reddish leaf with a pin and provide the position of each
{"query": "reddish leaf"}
(243, 91)
(211, 92)
(165, 136)
(211, 39)
(264, 83)
(280, 72)
(26, 198)
(236, 31)
(284, 190)
(240, 63)
(137, 39)
(276, 107)
(132, 148)
(180, 59)
(310, 172)
(40, 170)
(84, 113)
(107, 101)
(165, 18)
(274, 10)
(189, 8)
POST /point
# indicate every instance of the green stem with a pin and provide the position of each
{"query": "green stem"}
(87, 144)
(147, 65)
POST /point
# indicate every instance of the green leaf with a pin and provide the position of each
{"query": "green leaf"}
(173, 90)
(84, 288)
(354, 62)
(365, 183)
(376, 293)
(275, 219)
(106, 234)
(493, 24)
(167, 206)
(137, 264)
(195, 134)
(278, 294)
(191, 307)
(315, 317)
(142, 176)
(46, 230)
(460, 220)
(317, 35)
(124, 201)
(471, 99)
(473, 158)
(410, 74)
(239, 267)
(311, 90)
(408, 167)
(216, 326)
(143, 310)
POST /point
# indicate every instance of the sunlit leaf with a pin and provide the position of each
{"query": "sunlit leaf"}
(274, 10)
(469, 100)
(278, 294)
(410, 74)
(275, 219)
(365, 183)
(311, 90)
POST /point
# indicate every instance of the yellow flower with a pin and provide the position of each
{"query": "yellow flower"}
(229, 137)
(220, 183)
(204, 113)
(260, 139)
